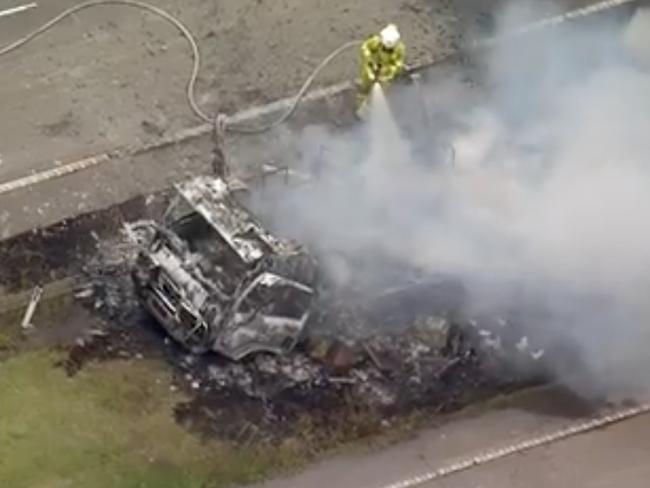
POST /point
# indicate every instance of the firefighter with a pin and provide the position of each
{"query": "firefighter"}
(382, 58)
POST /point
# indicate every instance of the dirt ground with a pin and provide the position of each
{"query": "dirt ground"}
(112, 75)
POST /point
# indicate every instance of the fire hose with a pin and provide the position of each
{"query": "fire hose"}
(196, 58)
(219, 120)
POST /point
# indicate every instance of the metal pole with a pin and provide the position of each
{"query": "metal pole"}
(37, 293)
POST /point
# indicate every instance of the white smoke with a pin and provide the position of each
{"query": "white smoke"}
(550, 189)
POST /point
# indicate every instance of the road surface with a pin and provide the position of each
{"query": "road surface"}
(112, 75)
(614, 457)
(611, 458)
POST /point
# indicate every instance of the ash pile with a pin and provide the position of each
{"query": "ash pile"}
(394, 351)
(388, 350)
(248, 330)
(106, 287)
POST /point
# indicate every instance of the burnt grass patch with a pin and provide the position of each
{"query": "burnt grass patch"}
(332, 389)
(44, 255)
(267, 399)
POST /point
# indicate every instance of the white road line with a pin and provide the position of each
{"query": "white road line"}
(17, 10)
(52, 173)
(560, 19)
(519, 447)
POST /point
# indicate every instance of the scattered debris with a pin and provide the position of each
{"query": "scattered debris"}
(37, 293)
(398, 345)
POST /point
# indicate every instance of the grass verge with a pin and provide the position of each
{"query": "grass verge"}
(110, 425)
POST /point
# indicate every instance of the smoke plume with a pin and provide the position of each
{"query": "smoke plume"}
(544, 199)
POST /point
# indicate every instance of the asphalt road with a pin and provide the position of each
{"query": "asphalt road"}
(615, 456)
(85, 86)
(611, 458)
(111, 76)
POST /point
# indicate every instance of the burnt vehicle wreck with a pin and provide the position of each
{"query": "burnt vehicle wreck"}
(216, 280)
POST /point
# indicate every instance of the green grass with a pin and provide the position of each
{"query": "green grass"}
(5, 339)
(110, 426)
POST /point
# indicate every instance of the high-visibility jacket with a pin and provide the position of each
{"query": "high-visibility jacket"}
(379, 63)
